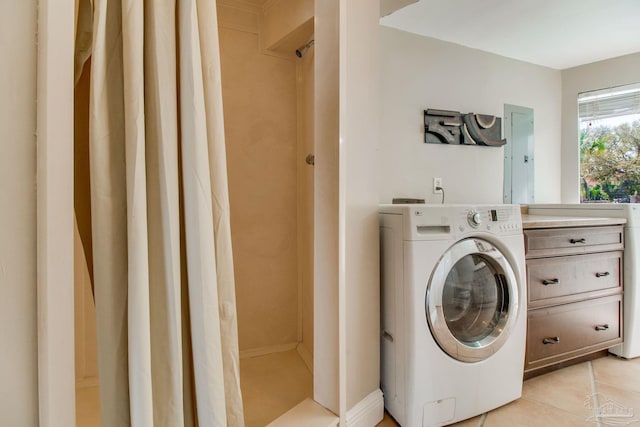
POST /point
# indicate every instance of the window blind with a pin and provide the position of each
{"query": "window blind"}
(612, 102)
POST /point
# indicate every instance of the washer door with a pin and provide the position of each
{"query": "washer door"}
(472, 300)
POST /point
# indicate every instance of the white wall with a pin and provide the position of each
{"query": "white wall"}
(347, 370)
(18, 338)
(359, 182)
(419, 73)
(598, 75)
(326, 233)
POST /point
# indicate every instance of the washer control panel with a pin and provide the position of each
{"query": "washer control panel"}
(473, 218)
(495, 219)
(437, 222)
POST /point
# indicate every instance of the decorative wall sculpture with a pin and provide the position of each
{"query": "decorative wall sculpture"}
(453, 127)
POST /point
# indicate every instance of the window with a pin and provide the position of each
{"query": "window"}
(609, 129)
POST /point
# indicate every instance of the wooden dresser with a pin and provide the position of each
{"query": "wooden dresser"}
(574, 269)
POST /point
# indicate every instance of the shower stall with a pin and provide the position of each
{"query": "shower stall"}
(267, 60)
(303, 334)
(267, 64)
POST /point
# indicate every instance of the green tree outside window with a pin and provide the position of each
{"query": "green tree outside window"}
(610, 163)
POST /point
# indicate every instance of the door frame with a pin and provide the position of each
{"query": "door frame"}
(54, 222)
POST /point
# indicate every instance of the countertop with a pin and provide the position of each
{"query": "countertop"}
(543, 221)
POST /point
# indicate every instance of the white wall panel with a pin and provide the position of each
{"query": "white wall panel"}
(419, 73)
(18, 333)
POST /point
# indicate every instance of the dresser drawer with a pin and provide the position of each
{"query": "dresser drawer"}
(575, 240)
(571, 275)
(571, 330)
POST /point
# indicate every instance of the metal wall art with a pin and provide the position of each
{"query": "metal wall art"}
(453, 127)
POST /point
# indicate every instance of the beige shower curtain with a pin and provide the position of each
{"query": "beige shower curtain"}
(159, 217)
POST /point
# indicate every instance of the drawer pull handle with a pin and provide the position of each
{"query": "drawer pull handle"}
(605, 274)
(602, 327)
(574, 241)
(550, 281)
(552, 340)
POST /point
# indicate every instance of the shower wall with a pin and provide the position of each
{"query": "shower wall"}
(260, 98)
(86, 342)
(305, 201)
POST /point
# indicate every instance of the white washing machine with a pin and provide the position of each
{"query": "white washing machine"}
(453, 311)
(630, 348)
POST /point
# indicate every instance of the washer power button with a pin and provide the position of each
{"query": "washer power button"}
(473, 217)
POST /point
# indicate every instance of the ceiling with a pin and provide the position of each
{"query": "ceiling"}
(558, 34)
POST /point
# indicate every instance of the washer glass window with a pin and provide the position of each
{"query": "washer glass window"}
(472, 300)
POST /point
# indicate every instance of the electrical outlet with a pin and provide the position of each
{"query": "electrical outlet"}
(437, 182)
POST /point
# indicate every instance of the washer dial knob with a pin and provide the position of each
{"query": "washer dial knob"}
(473, 217)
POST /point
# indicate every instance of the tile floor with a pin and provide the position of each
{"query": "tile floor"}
(273, 383)
(88, 406)
(566, 398)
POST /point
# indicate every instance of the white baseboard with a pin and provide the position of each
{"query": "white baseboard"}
(307, 413)
(306, 356)
(262, 351)
(368, 412)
